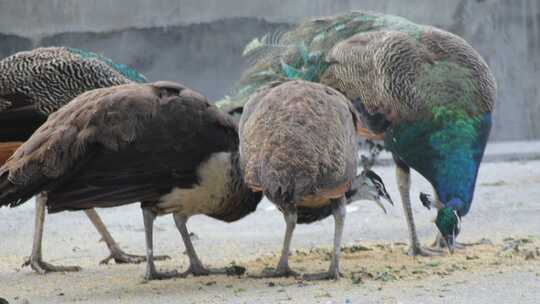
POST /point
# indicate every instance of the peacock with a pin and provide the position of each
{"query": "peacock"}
(36, 83)
(426, 92)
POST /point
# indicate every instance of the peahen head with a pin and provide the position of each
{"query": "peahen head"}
(368, 186)
(448, 222)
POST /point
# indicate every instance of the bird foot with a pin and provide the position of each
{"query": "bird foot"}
(439, 244)
(165, 275)
(458, 245)
(121, 257)
(197, 271)
(280, 272)
(41, 267)
(423, 251)
(328, 275)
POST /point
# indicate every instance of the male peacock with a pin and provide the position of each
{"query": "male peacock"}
(36, 83)
(426, 91)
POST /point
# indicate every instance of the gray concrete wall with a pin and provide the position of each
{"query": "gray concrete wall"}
(199, 42)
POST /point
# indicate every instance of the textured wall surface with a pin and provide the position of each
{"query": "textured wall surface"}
(199, 42)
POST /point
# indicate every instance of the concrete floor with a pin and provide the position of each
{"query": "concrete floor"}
(507, 203)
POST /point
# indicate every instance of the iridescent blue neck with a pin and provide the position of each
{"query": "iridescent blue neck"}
(448, 155)
(458, 193)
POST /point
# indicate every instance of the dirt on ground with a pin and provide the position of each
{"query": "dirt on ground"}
(367, 266)
(387, 262)
(501, 263)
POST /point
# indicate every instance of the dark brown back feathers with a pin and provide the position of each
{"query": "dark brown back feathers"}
(116, 146)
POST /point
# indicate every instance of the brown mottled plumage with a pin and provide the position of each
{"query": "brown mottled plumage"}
(298, 146)
(386, 71)
(161, 143)
(301, 129)
(34, 84)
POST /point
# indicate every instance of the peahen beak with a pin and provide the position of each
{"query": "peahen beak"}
(380, 189)
(380, 204)
(384, 194)
(377, 199)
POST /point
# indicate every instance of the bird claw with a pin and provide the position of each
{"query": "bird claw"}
(276, 273)
(121, 257)
(41, 267)
(422, 251)
(196, 271)
(328, 275)
(440, 245)
(165, 275)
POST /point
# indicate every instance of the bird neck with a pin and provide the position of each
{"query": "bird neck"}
(239, 200)
(447, 154)
(124, 70)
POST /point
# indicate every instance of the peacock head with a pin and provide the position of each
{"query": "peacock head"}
(448, 222)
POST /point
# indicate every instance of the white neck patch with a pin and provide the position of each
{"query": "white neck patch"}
(206, 197)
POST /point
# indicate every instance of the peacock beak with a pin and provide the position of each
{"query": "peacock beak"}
(450, 242)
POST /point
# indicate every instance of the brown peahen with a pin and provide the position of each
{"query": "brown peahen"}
(36, 83)
(298, 147)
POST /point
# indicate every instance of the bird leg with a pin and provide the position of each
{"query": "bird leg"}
(283, 269)
(116, 254)
(151, 272)
(196, 267)
(404, 184)
(36, 260)
(339, 212)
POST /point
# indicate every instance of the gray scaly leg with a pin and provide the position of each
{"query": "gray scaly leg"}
(339, 212)
(404, 184)
(36, 260)
(151, 272)
(196, 268)
(116, 254)
(283, 269)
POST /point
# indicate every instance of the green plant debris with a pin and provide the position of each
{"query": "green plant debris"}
(355, 248)
(433, 264)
